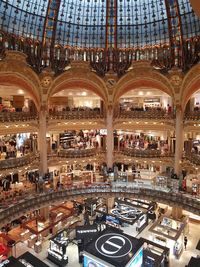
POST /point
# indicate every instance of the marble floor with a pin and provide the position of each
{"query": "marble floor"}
(193, 237)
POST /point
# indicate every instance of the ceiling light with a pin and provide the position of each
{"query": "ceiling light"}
(20, 92)
(140, 93)
(84, 94)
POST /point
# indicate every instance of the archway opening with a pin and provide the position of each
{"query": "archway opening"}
(146, 100)
(75, 100)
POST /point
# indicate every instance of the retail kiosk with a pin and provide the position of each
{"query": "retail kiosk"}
(57, 252)
(113, 249)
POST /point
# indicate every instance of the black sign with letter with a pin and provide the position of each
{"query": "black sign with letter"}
(113, 247)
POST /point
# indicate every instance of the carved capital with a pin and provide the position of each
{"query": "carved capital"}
(176, 79)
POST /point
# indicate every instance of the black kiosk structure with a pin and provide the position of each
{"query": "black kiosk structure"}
(113, 249)
(57, 252)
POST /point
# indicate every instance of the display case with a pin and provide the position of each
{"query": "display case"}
(32, 240)
(178, 249)
(57, 252)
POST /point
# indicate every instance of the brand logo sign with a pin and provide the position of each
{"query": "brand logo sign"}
(113, 245)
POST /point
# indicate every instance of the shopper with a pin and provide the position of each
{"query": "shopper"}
(185, 241)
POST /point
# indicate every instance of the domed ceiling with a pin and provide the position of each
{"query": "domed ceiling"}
(98, 23)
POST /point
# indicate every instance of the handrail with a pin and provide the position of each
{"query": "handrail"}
(76, 114)
(17, 162)
(147, 153)
(193, 158)
(77, 153)
(148, 114)
(193, 115)
(17, 116)
(184, 201)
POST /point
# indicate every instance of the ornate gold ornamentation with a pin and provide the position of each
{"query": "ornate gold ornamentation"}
(176, 80)
(46, 81)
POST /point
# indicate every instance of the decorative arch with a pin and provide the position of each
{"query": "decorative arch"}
(191, 84)
(77, 80)
(142, 78)
(14, 70)
(16, 79)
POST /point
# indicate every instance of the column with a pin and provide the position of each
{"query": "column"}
(177, 212)
(109, 139)
(44, 213)
(179, 140)
(110, 203)
(42, 144)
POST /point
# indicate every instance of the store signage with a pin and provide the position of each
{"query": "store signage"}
(86, 230)
(151, 100)
(113, 245)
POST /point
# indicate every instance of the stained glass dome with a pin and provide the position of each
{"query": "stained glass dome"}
(97, 23)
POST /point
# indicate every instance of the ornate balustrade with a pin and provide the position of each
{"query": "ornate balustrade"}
(193, 158)
(31, 203)
(75, 115)
(77, 153)
(17, 116)
(148, 114)
(193, 116)
(146, 153)
(17, 162)
(58, 57)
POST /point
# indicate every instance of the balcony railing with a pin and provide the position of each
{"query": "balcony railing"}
(193, 116)
(77, 153)
(102, 60)
(17, 162)
(193, 158)
(146, 153)
(34, 202)
(17, 116)
(76, 115)
(148, 114)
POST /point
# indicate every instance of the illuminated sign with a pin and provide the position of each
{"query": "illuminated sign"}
(113, 245)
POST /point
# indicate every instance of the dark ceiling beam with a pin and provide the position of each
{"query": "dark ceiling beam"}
(50, 25)
(175, 33)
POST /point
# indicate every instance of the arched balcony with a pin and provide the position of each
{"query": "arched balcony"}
(71, 106)
(146, 104)
(192, 109)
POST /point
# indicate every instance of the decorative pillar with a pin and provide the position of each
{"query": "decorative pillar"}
(179, 140)
(109, 139)
(42, 144)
